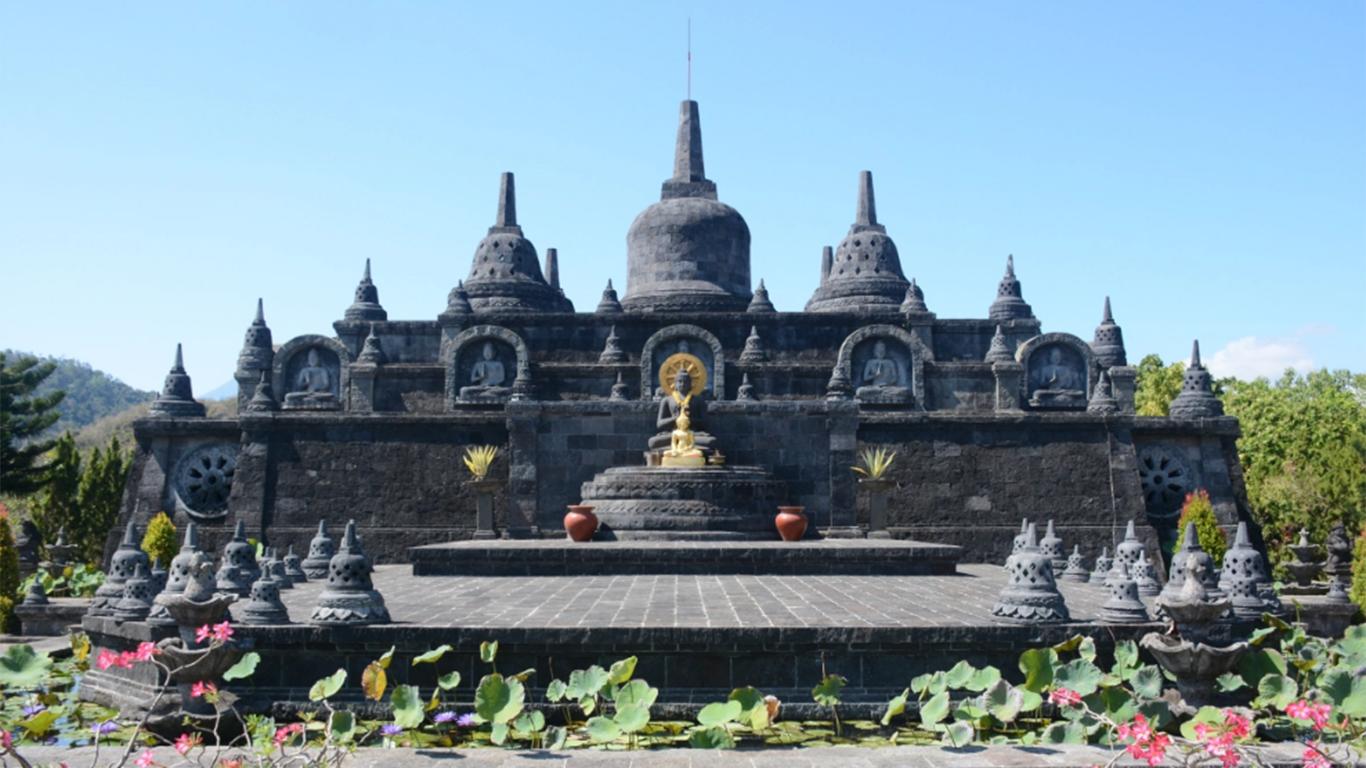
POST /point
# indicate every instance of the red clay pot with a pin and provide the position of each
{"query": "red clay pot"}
(580, 522)
(791, 523)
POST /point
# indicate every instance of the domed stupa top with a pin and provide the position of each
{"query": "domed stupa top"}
(506, 273)
(688, 251)
(1009, 303)
(366, 306)
(1108, 343)
(258, 350)
(866, 270)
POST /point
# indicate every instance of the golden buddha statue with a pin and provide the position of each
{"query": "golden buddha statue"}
(683, 450)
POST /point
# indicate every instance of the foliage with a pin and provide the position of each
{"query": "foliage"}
(90, 394)
(1198, 509)
(9, 575)
(1156, 385)
(58, 505)
(1358, 590)
(25, 415)
(160, 540)
(79, 580)
(479, 459)
(1303, 452)
(874, 463)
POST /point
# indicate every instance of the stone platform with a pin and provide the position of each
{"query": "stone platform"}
(678, 504)
(871, 557)
(696, 637)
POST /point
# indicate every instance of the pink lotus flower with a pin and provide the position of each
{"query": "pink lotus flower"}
(1064, 697)
(203, 633)
(203, 689)
(222, 632)
(186, 742)
(146, 759)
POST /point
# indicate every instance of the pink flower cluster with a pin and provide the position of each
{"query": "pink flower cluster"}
(1318, 714)
(207, 691)
(126, 659)
(1064, 697)
(282, 734)
(1313, 758)
(187, 742)
(1218, 741)
(1145, 743)
(146, 760)
(219, 633)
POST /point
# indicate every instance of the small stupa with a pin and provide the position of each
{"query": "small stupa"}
(1076, 567)
(1031, 595)
(320, 551)
(350, 596)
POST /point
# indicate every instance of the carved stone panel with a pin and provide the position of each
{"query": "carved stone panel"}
(672, 340)
(485, 370)
(881, 371)
(311, 374)
(1057, 372)
(202, 480)
(1166, 477)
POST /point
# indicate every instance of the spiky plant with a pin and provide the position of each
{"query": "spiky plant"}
(874, 463)
(479, 459)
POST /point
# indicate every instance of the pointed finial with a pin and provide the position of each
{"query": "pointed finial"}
(827, 262)
(1129, 531)
(1195, 354)
(552, 267)
(688, 146)
(1076, 549)
(761, 285)
(507, 202)
(1241, 540)
(1107, 318)
(366, 277)
(191, 536)
(1010, 265)
(1031, 537)
(867, 207)
(1024, 524)
(349, 541)
(239, 532)
(179, 365)
(322, 527)
(609, 284)
(260, 312)
(130, 535)
(1191, 539)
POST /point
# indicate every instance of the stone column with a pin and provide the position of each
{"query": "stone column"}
(362, 393)
(1009, 377)
(523, 421)
(1122, 378)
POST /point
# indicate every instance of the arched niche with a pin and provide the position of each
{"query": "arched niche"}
(903, 349)
(295, 373)
(667, 341)
(468, 348)
(1059, 372)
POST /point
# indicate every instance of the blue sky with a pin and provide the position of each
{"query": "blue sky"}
(165, 164)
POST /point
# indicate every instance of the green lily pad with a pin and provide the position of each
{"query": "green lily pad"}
(22, 667)
(407, 704)
(435, 654)
(327, 687)
(244, 668)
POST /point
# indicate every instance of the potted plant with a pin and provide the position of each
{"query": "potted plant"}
(874, 463)
(580, 522)
(479, 459)
(791, 523)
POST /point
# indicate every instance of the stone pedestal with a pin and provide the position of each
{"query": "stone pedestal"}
(877, 507)
(1122, 383)
(732, 502)
(1008, 377)
(483, 510)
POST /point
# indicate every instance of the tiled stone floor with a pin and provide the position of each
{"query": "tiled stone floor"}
(697, 601)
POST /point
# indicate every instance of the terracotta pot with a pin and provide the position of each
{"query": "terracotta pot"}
(791, 523)
(580, 522)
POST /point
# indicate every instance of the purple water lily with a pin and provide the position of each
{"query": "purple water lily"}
(108, 726)
(444, 717)
(32, 709)
(466, 720)
(390, 729)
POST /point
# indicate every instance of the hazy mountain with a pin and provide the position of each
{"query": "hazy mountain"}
(90, 394)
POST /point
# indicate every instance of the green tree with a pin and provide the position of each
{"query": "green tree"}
(1359, 571)
(9, 576)
(1198, 509)
(24, 417)
(99, 497)
(1156, 385)
(1303, 451)
(58, 505)
(160, 542)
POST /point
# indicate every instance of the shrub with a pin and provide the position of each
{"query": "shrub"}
(9, 576)
(1198, 509)
(160, 540)
(1359, 571)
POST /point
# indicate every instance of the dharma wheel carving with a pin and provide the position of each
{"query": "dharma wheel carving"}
(1166, 479)
(203, 480)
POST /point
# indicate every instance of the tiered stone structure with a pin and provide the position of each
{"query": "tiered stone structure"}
(988, 416)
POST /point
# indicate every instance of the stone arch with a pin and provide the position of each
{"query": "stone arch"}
(285, 355)
(450, 354)
(1029, 347)
(717, 372)
(918, 350)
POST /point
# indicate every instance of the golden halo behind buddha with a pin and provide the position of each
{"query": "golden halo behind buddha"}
(685, 362)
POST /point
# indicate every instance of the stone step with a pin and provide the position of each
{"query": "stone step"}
(874, 557)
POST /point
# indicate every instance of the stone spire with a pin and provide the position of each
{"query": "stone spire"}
(350, 596)
(689, 251)
(124, 563)
(264, 605)
(1129, 550)
(136, 602)
(294, 566)
(1196, 399)
(1243, 576)
(178, 576)
(914, 303)
(1051, 547)
(1103, 398)
(177, 395)
(263, 397)
(552, 269)
(506, 273)
(320, 551)
(366, 306)
(754, 351)
(1190, 555)
(371, 353)
(1018, 542)
(827, 262)
(1108, 343)
(746, 390)
(258, 352)
(760, 302)
(1076, 567)
(619, 390)
(1123, 606)
(1146, 578)
(1031, 595)
(608, 304)
(999, 351)
(1009, 304)
(1103, 564)
(866, 270)
(458, 305)
(239, 563)
(612, 351)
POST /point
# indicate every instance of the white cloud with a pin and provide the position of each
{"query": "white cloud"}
(1251, 357)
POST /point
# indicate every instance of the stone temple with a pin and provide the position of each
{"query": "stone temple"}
(992, 419)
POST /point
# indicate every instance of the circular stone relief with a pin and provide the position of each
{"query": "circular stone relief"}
(1166, 479)
(204, 480)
